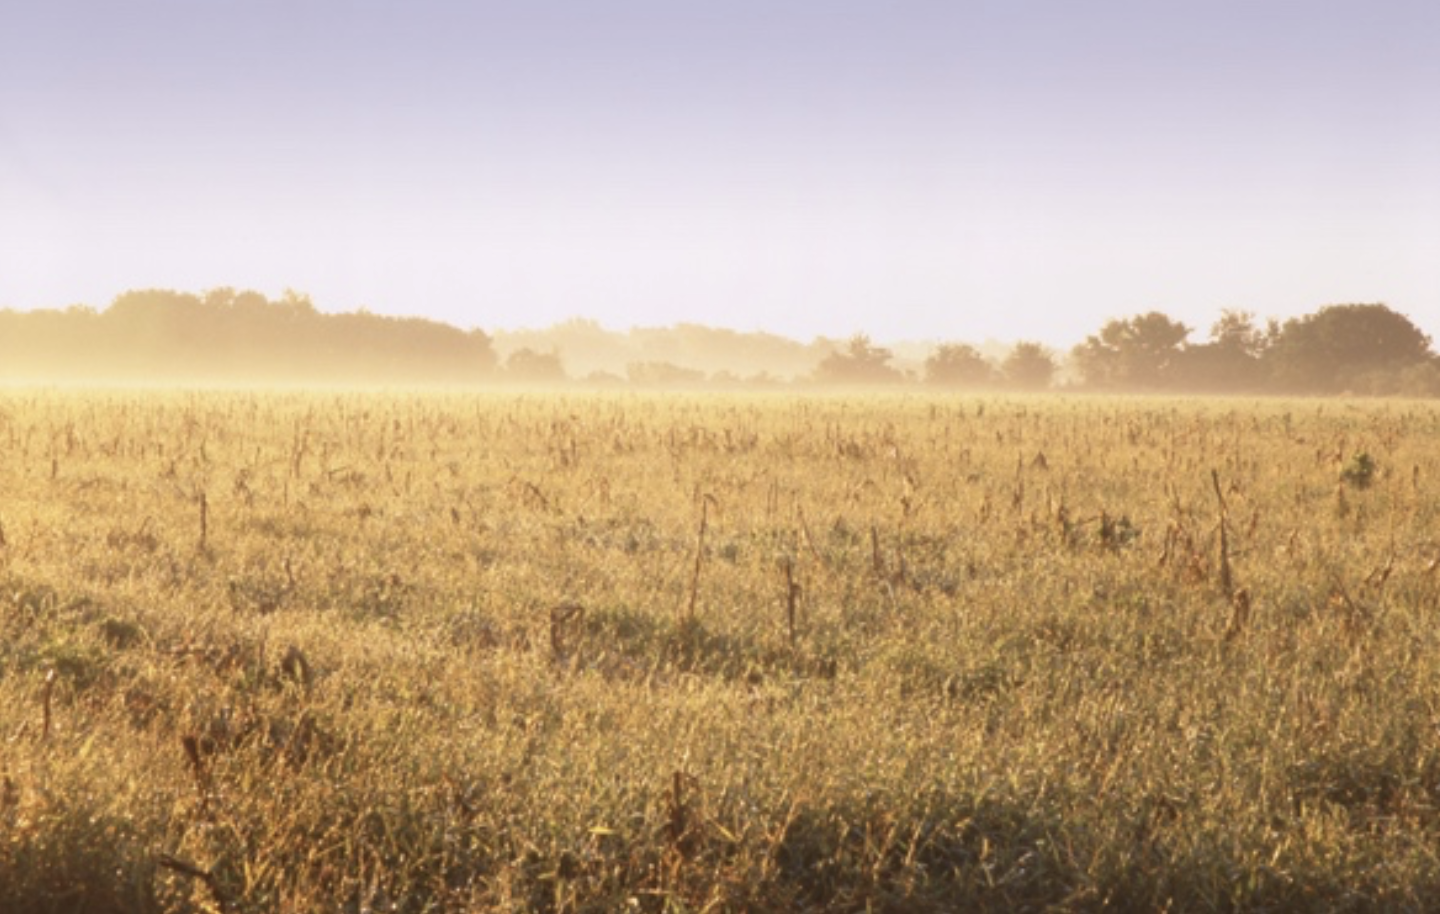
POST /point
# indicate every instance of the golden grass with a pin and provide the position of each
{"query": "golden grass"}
(430, 652)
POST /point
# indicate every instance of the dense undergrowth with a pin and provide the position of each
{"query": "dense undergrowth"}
(446, 653)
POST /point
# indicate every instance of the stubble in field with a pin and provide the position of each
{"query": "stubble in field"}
(443, 652)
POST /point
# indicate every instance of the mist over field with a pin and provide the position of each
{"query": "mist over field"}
(242, 338)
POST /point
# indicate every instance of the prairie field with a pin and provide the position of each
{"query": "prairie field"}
(424, 652)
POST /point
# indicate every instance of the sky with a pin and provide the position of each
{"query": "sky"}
(965, 170)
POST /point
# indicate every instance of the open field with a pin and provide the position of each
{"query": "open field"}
(294, 652)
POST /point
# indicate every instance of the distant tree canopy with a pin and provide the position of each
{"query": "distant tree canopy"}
(1232, 360)
(1361, 348)
(861, 362)
(238, 337)
(587, 348)
(958, 365)
(527, 366)
(1029, 366)
(1141, 351)
(229, 336)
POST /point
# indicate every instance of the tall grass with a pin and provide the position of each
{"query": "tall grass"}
(447, 653)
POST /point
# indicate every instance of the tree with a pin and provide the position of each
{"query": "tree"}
(1236, 332)
(958, 365)
(1029, 366)
(225, 335)
(1422, 380)
(1137, 353)
(1232, 360)
(1346, 347)
(153, 327)
(531, 367)
(860, 363)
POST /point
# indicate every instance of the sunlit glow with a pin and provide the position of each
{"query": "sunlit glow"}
(937, 172)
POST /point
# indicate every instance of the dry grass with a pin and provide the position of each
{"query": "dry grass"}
(444, 653)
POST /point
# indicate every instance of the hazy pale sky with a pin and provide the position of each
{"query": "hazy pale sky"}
(957, 170)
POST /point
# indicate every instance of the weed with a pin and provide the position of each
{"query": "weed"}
(999, 654)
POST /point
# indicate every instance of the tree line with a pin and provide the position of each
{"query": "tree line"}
(1365, 349)
(225, 336)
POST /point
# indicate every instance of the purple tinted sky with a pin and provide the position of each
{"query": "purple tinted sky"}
(957, 170)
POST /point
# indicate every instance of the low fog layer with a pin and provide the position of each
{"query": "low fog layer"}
(228, 337)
